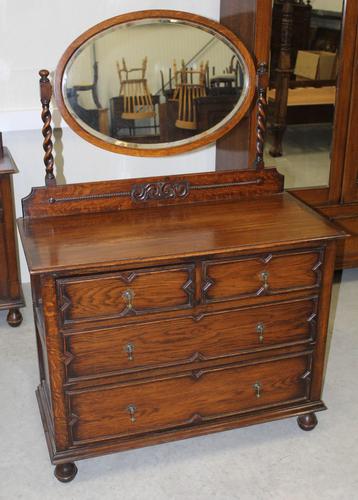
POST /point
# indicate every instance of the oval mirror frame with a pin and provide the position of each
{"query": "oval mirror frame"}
(175, 147)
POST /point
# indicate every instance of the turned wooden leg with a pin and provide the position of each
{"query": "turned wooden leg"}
(307, 422)
(65, 472)
(14, 318)
(277, 134)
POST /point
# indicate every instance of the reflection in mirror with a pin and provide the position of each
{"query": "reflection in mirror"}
(155, 81)
(302, 98)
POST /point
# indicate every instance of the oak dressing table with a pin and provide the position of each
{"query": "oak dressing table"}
(172, 307)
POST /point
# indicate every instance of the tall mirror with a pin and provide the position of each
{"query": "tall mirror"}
(305, 48)
(154, 83)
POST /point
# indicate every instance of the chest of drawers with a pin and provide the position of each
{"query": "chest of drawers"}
(177, 321)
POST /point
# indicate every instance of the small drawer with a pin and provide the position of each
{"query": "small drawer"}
(186, 399)
(189, 339)
(261, 274)
(120, 294)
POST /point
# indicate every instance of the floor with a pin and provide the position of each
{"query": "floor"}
(270, 461)
(306, 155)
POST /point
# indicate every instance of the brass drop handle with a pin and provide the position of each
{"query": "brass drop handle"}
(128, 296)
(257, 388)
(131, 410)
(260, 329)
(129, 349)
(265, 277)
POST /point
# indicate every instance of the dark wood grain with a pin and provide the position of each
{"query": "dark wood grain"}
(11, 297)
(158, 234)
(103, 413)
(196, 338)
(46, 117)
(216, 425)
(105, 196)
(172, 307)
(100, 369)
(153, 290)
(285, 272)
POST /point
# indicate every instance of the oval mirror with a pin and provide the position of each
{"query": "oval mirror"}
(154, 83)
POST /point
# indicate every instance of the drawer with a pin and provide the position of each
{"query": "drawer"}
(189, 339)
(186, 399)
(119, 294)
(261, 274)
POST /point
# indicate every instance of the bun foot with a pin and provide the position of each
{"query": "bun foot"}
(65, 472)
(307, 422)
(14, 318)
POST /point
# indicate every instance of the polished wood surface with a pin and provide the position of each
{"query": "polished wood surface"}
(277, 272)
(109, 196)
(134, 292)
(11, 297)
(168, 308)
(225, 306)
(144, 346)
(156, 234)
(220, 392)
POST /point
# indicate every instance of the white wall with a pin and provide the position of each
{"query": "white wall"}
(33, 35)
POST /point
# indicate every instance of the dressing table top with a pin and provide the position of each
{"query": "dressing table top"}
(160, 234)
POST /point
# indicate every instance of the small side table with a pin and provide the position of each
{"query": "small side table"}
(11, 296)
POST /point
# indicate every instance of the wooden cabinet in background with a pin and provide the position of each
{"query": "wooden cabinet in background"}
(10, 289)
(338, 200)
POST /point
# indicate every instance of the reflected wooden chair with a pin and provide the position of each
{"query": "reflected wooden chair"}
(189, 85)
(96, 118)
(137, 100)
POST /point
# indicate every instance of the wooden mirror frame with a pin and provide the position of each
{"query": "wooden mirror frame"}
(204, 138)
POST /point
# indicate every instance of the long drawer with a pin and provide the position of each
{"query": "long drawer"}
(188, 339)
(185, 399)
(261, 274)
(115, 295)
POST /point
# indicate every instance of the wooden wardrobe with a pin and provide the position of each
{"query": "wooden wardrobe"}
(339, 199)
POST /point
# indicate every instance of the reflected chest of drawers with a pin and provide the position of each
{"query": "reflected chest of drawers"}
(177, 321)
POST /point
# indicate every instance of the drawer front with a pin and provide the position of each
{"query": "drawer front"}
(189, 339)
(137, 292)
(262, 274)
(186, 399)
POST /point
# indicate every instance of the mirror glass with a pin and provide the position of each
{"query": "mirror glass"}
(152, 83)
(301, 122)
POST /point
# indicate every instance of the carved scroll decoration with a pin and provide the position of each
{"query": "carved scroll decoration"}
(159, 190)
(45, 96)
